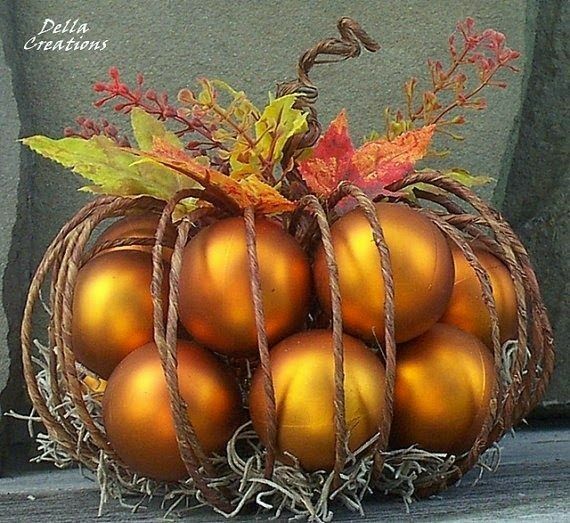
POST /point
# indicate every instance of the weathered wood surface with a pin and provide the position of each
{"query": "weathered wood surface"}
(532, 484)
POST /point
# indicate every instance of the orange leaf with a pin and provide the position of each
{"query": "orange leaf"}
(379, 163)
(249, 192)
(330, 159)
(264, 198)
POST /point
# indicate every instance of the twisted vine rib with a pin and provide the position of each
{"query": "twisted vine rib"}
(262, 343)
(191, 451)
(367, 207)
(312, 204)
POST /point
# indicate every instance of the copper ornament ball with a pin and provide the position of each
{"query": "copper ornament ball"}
(112, 308)
(302, 367)
(137, 413)
(422, 268)
(466, 308)
(443, 387)
(216, 304)
(139, 226)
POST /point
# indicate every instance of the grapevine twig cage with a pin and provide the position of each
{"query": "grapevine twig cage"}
(71, 412)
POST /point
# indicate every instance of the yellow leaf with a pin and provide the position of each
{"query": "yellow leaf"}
(278, 122)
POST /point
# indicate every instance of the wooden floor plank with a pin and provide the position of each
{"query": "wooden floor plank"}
(532, 484)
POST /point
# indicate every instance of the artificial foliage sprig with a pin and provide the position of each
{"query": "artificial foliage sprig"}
(87, 128)
(239, 171)
(156, 103)
(481, 54)
(215, 141)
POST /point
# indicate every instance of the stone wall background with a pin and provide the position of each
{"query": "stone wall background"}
(536, 199)
(253, 45)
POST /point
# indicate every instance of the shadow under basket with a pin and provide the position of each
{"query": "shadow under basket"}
(248, 473)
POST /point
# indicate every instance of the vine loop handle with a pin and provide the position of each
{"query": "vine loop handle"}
(340, 49)
(349, 45)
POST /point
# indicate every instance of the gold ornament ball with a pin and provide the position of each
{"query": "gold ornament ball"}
(444, 381)
(139, 226)
(303, 374)
(112, 308)
(466, 308)
(216, 304)
(137, 413)
(422, 268)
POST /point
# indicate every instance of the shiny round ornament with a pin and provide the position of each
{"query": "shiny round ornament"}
(422, 268)
(139, 226)
(137, 413)
(112, 308)
(444, 381)
(216, 304)
(466, 308)
(302, 367)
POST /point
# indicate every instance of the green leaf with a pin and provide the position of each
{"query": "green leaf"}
(146, 127)
(110, 168)
(466, 178)
(278, 122)
(459, 175)
(409, 193)
(253, 142)
(372, 136)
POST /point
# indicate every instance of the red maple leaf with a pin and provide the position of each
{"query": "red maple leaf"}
(330, 160)
(372, 167)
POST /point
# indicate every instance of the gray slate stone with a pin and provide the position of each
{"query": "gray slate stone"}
(15, 239)
(537, 189)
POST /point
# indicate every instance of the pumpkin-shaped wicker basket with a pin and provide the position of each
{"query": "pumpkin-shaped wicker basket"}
(71, 412)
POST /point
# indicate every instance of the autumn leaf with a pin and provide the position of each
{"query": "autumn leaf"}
(110, 168)
(372, 167)
(278, 122)
(251, 140)
(146, 127)
(264, 198)
(247, 192)
(330, 160)
(379, 163)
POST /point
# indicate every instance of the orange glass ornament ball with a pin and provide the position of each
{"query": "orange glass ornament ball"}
(216, 304)
(302, 367)
(466, 308)
(112, 308)
(139, 226)
(444, 381)
(137, 413)
(422, 268)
